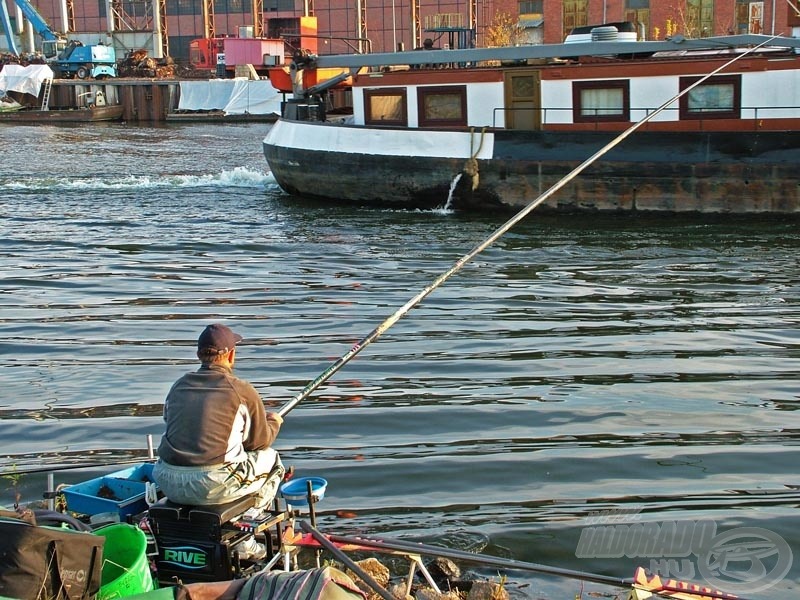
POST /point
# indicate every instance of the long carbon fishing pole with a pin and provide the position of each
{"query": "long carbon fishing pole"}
(14, 471)
(509, 564)
(457, 266)
(484, 559)
(69, 467)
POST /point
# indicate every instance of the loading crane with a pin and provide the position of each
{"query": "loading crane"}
(52, 43)
(5, 21)
(67, 58)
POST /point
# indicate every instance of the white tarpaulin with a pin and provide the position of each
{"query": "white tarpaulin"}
(26, 80)
(232, 96)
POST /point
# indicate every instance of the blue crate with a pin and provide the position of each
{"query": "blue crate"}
(126, 491)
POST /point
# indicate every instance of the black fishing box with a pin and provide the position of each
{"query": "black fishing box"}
(194, 543)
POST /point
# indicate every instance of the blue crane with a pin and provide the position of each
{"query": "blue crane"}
(5, 22)
(52, 43)
(67, 58)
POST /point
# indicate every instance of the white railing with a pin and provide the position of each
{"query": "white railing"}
(556, 116)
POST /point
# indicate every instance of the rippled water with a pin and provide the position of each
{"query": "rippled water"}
(582, 368)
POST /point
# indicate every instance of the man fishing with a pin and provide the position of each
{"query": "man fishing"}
(217, 444)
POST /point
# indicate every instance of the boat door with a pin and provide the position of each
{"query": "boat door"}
(523, 99)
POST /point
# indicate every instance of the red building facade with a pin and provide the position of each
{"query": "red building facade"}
(386, 25)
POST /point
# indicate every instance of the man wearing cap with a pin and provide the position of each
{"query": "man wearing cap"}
(217, 445)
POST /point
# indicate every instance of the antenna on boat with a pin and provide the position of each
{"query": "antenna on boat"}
(400, 312)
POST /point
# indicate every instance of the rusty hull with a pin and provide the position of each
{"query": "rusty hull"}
(747, 172)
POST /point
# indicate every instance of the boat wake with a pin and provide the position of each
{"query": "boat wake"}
(239, 177)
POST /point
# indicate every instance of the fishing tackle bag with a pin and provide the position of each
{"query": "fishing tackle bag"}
(48, 563)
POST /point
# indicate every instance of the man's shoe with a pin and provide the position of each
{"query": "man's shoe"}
(250, 549)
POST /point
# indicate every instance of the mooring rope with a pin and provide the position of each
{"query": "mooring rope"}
(471, 166)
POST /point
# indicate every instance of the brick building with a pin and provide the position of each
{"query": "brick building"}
(392, 24)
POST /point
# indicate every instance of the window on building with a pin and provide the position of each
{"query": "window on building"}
(531, 7)
(749, 17)
(184, 7)
(596, 101)
(575, 15)
(179, 46)
(133, 11)
(278, 5)
(223, 7)
(794, 13)
(638, 13)
(700, 18)
(442, 106)
(716, 98)
(386, 107)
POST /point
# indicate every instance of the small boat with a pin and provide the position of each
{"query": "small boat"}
(32, 85)
(717, 127)
(70, 115)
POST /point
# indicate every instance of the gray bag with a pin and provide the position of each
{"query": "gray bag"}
(48, 563)
(314, 584)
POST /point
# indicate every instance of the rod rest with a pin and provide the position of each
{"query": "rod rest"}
(217, 514)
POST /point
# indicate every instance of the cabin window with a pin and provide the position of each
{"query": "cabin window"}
(386, 107)
(594, 101)
(715, 98)
(442, 106)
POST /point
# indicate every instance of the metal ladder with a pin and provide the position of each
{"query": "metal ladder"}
(48, 84)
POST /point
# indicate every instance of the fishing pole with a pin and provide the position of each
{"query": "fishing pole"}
(485, 559)
(457, 266)
(511, 564)
(83, 465)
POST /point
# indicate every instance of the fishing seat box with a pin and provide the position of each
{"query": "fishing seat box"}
(195, 542)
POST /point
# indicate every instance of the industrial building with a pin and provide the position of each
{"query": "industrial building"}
(166, 27)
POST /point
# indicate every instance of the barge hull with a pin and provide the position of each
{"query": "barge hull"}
(704, 172)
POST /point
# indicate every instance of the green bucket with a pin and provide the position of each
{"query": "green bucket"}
(126, 570)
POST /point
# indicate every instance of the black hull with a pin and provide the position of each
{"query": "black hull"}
(742, 172)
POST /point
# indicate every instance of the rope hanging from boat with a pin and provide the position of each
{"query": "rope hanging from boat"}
(471, 166)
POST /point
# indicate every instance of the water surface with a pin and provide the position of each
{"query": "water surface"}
(580, 369)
